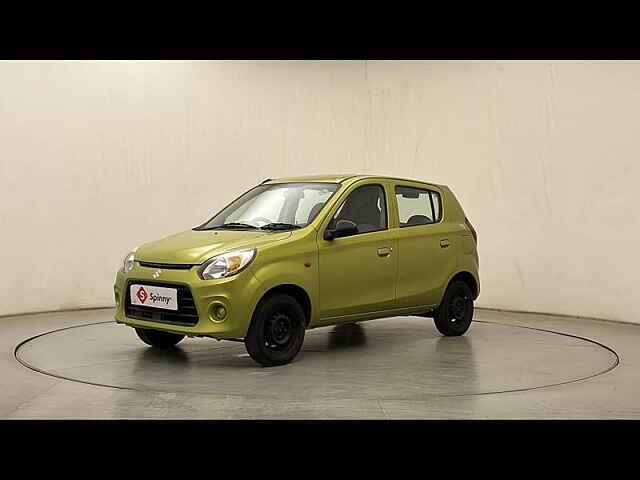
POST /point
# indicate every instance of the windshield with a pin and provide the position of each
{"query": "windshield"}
(278, 206)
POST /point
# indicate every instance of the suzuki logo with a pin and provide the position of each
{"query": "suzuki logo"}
(141, 294)
(157, 274)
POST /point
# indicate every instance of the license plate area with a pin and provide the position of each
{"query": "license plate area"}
(152, 296)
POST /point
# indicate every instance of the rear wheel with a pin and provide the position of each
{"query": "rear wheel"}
(157, 338)
(277, 331)
(453, 316)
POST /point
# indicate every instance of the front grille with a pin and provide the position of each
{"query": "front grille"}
(167, 266)
(187, 314)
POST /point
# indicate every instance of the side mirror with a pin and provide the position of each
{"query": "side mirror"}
(344, 228)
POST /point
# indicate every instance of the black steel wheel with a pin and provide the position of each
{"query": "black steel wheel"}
(277, 331)
(454, 315)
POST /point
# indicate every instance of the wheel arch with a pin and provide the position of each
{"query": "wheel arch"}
(295, 291)
(469, 279)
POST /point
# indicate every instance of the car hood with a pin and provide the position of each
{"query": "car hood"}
(197, 246)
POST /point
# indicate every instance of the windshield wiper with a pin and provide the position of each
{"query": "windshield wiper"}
(279, 226)
(233, 225)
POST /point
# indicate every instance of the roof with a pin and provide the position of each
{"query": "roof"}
(337, 178)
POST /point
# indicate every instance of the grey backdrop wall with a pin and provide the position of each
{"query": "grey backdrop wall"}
(97, 157)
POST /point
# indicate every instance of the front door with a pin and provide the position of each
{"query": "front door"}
(358, 273)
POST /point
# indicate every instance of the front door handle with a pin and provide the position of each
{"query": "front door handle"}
(385, 251)
(444, 243)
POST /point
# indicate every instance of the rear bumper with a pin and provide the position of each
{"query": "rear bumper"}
(238, 294)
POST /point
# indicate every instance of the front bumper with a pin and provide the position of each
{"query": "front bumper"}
(238, 294)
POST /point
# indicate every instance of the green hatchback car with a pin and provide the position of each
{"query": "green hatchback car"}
(293, 254)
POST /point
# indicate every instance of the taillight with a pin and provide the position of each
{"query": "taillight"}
(473, 230)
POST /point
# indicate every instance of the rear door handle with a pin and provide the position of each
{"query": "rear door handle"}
(385, 251)
(444, 243)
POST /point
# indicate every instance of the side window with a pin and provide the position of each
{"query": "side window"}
(417, 206)
(437, 213)
(366, 207)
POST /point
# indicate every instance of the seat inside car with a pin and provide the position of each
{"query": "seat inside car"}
(314, 211)
(418, 220)
(362, 209)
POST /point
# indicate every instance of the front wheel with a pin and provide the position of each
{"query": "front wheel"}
(157, 338)
(277, 331)
(453, 316)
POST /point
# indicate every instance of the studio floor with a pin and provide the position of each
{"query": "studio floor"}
(81, 365)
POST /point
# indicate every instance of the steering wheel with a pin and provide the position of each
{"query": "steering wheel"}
(261, 219)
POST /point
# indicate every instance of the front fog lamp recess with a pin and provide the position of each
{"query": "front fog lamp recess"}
(226, 264)
(220, 312)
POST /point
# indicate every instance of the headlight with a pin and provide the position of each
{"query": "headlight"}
(226, 264)
(127, 263)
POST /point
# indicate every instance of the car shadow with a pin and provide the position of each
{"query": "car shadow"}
(346, 335)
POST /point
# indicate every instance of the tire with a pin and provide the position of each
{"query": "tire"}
(454, 315)
(277, 331)
(157, 338)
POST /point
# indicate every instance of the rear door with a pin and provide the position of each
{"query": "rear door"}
(426, 250)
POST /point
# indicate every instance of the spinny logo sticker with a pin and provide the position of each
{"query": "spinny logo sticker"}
(142, 294)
